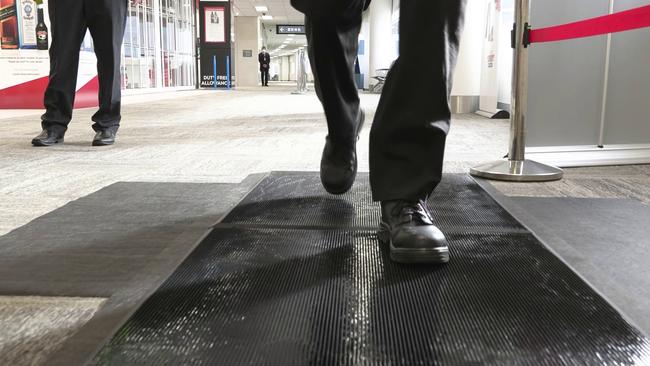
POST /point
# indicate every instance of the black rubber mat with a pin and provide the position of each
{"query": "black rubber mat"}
(297, 200)
(301, 295)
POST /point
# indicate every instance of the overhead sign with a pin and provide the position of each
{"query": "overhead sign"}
(290, 29)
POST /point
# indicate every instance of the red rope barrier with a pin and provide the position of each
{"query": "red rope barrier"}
(612, 23)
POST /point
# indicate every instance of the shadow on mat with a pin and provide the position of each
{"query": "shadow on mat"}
(322, 211)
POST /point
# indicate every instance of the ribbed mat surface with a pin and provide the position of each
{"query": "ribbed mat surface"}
(310, 284)
(295, 200)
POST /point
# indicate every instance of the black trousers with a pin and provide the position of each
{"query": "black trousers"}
(265, 77)
(407, 139)
(70, 19)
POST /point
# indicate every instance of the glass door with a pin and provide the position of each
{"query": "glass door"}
(158, 47)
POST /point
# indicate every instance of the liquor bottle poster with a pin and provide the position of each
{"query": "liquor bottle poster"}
(8, 25)
(215, 43)
(24, 60)
(29, 17)
(214, 30)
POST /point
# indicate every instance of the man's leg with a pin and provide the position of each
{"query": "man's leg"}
(408, 135)
(68, 28)
(106, 20)
(333, 44)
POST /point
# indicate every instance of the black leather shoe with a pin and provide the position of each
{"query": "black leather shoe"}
(338, 166)
(407, 227)
(104, 138)
(47, 138)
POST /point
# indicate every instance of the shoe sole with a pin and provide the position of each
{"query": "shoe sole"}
(99, 143)
(42, 144)
(411, 256)
(345, 189)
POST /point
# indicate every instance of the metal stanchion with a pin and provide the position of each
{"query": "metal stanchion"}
(301, 73)
(517, 168)
(603, 107)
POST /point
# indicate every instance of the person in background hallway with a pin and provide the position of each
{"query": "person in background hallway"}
(69, 20)
(265, 60)
(407, 138)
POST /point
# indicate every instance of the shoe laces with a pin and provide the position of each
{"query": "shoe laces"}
(413, 211)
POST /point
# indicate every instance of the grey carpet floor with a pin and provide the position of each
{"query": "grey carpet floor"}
(31, 328)
(604, 240)
(118, 244)
(611, 237)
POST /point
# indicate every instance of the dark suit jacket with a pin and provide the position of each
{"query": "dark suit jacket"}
(326, 7)
(265, 60)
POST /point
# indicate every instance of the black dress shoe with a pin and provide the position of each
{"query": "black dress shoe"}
(407, 227)
(47, 138)
(104, 138)
(338, 166)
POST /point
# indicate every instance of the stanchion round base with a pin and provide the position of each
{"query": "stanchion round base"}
(517, 171)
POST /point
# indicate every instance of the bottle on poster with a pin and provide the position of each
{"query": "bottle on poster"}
(27, 23)
(42, 34)
(8, 25)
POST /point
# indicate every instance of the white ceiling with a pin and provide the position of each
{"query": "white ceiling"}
(281, 10)
(283, 13)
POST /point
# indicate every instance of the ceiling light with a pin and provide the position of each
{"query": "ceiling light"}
(261, 8)
(267, 17)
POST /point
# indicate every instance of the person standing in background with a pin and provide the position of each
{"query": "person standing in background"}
(265, 60)
(106, 20)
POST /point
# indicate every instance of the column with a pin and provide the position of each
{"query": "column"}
(382, 49)
(247, 35)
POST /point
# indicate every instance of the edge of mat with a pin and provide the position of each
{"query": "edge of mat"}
(111, 308)
(534, 227)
